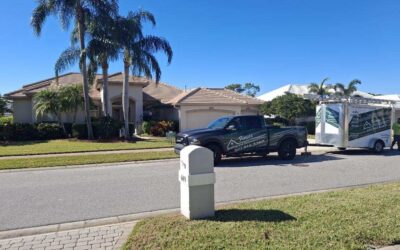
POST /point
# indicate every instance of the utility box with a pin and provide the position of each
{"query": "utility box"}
(197, 179)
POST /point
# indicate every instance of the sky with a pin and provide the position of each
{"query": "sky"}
(270, 43)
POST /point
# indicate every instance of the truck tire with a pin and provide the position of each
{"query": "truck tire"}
(217, 153)
(287, 150)
(379, 146)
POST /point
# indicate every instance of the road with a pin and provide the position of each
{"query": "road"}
(50, 196)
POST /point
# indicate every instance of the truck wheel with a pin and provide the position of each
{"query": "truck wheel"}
(287, 150)
(379, 146)
(217, 153)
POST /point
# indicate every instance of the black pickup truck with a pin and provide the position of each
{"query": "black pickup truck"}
(239, 135)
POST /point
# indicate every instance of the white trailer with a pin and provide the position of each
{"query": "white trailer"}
(356, 123)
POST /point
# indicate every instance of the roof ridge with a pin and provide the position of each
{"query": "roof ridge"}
(52, 78)
(232, 97)
(186, 95)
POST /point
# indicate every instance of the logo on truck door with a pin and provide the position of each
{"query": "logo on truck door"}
(242, 143)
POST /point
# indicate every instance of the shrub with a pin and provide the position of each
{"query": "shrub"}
(161, 128)
(6, 131)
(106, 128)
(48, 131)
(6, 120)
(23, 132)
(310, 127)
(146, 126)
(79, 131)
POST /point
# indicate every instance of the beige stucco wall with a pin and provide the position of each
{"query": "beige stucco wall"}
(23, 110)
(199, 116)
(135, 94)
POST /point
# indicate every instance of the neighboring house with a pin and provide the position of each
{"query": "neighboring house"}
(200, 106)
(193, 109)
(301, 90)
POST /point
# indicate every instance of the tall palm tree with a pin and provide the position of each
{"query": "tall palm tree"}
(347, 91)
(77, 11)
(321, 89)
(71, 98)
(138, 54)
(47, 101)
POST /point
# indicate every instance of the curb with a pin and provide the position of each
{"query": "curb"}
(139, 216)
(85, 166)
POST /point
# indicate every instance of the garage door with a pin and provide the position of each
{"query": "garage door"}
(201, 118)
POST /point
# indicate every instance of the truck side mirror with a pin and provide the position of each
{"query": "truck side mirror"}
(231, 128)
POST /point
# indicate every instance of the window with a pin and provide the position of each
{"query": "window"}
(253, 122)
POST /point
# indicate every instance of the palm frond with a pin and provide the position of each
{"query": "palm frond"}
(67, 59)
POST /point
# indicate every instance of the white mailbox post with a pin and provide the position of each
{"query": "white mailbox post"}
(197, 179)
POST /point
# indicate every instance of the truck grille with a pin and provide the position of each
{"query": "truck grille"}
(180, 140)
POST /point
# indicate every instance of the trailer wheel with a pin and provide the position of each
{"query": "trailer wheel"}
(287, 150)
(379, 146)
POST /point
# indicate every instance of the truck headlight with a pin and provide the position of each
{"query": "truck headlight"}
(194, 141)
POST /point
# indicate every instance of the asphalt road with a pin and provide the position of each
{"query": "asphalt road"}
(43, 197)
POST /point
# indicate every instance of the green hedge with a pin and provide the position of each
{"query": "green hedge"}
(103, 128)
(26, 131)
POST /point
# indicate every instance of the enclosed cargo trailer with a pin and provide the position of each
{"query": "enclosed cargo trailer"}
(356, 123)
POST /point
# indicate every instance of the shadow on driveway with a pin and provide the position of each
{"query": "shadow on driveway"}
(237, 215)
(273, 160)
(365, 152)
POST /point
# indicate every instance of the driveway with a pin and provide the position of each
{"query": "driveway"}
(49, 196)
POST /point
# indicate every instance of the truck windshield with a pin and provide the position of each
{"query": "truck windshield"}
(219, 123)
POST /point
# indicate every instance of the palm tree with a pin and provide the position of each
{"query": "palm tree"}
(71, 98)
(347, 91)
(47, 101)
(77, 11)
(138, 54)
(321, 89)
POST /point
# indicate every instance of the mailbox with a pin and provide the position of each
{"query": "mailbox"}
(197, 179)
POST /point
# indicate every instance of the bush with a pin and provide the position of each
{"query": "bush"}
(46, 131)
(6, 120)
(23, 132)
(162, 127)
(106, 128)
(310, 127)
(146, 126)
(79, 131)
(6, 131)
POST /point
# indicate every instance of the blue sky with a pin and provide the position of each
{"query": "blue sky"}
(215, 42)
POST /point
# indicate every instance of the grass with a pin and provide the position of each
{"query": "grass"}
(73, 146)
(83, 159)
(351, 219)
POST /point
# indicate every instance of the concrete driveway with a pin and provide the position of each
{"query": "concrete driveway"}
(31, 198)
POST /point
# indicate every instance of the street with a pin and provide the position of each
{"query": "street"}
(48, 196)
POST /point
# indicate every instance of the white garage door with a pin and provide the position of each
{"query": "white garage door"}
(201, 118)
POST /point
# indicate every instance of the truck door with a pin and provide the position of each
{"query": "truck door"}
(246, 134)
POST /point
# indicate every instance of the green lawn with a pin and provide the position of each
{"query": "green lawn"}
(351, 219)
(68, 146)
(84, 159)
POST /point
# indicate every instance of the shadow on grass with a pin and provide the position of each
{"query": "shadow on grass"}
(237, 215)
(299, 161)
(22, 143)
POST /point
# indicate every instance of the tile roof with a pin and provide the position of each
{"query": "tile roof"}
(161, 91)
(214, 96)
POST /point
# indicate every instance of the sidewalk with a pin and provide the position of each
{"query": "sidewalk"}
(110, 237)
(86, 153)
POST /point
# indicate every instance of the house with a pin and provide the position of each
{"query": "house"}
(301, 90)
(147, 100)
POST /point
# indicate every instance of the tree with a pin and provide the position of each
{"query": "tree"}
(348, 91)
(138, 53)
(71, 99)
(290, 107)
(248, 88)
(77, 11)
(321, 89)
(48, 101)
(4, 105)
